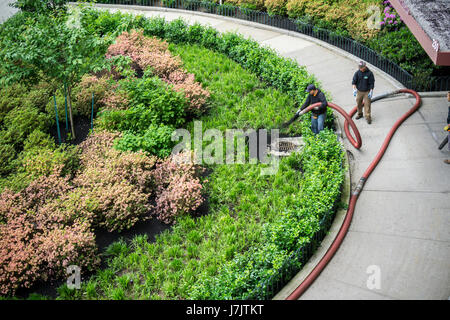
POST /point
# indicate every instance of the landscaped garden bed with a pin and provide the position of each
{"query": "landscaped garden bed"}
(230, 228)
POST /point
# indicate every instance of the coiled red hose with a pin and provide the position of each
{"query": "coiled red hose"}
(355, 195)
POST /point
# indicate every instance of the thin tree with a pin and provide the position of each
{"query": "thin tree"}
(53, 46)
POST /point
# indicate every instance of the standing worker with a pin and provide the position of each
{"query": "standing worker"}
(363, 84)
(447, 128)
(318, 113)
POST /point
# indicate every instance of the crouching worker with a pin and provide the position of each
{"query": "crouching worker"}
(318, 114)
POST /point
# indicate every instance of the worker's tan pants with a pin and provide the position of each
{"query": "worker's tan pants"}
(360, 97)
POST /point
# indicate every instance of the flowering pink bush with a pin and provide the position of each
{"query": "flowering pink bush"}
(29, 253)
(49, 225)
(115, 99)
(161, 63)
(133, 43)
(391, 18)
(178, 189)
(193, 91)
(116, 185)
(99, 157)
(35, 243)
(70, 245)
(152, 53)
(45, 188)
(34, 195)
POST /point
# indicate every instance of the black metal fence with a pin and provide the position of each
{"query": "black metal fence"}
(439, 83)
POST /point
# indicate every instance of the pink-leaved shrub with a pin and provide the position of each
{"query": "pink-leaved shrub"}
(178, 188)
(36, 244)
(147, 52)
(116, 185)
(49, 225)
(115, 99)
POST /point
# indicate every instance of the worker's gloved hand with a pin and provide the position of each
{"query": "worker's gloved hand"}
(354, 92)
(370, 94)
(447, 128)
(301, 112)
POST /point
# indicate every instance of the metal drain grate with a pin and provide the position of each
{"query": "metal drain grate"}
(285, 146)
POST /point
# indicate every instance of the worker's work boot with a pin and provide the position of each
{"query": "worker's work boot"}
(358, 116)
(369, 120)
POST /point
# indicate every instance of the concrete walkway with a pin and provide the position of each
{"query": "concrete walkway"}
(401, 225)
(5, 10)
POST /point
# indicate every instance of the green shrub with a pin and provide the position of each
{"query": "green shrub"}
(156, 140)
(38, 161)
(209, 38)
(16, 175)
(7, 156)
(18, 95)
(21, 121)
(250, 4)
(153, 101)
(40, 140)
(169, 3)
(176, 31)
(10, 98)
(276, 7)
(155, 27)
(83, 91)
(39, 94)
(107, 23)
(43, 6)
(403, 48)
(296, 8)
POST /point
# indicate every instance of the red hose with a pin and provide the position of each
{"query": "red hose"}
(355, 195)
(348, 121)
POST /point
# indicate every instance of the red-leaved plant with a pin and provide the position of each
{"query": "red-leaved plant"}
(146, 52)
(178, 188)
(36, 244)
(49, 225)
(116, 185)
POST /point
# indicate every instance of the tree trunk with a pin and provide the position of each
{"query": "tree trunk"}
(69, 102)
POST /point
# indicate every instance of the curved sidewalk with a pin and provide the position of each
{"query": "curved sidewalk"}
(401, 225)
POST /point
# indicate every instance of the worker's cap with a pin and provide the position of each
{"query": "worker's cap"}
(310, 87)
(362, 64)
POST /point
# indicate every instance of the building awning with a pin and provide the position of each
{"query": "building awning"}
(429, 22)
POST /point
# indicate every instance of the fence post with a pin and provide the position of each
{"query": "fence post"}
(92, 113)
(57, 120)
(65, 103)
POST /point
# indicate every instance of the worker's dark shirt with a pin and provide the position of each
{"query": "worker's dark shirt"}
(364, 81)
(311, 99)
(448, 117)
